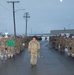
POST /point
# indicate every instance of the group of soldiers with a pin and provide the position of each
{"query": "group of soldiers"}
(11, 46)
(63, 44)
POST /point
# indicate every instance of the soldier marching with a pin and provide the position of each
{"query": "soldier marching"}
(12, 46)
(62, 44)
(33, 49)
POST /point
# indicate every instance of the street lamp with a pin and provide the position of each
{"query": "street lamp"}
(19, 10)
(15, 26)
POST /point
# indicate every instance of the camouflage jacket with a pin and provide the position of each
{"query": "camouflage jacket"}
(34, 46)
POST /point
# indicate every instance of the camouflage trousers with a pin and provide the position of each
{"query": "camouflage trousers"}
(72, 52)
(62, 48)
(17, 49)
(2, 50)
(10, 52)
(69, 51)
(33, 59)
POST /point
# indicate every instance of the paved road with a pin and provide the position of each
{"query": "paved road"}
(51, 62)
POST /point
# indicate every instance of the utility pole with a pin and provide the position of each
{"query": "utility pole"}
(26, 16)
(13, 3)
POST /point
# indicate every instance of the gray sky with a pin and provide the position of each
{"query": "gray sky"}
(45, 15)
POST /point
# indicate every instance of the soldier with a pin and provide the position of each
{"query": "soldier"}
(2, 46)
(22, 39)
(11, 45)
(56, 43)
(22, 43)
(52, 42)
(62, 44)
(33, 48)
(72, 52)
(69, 46)
(18, 45)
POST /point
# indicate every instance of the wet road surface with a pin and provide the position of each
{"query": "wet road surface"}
(51, 62)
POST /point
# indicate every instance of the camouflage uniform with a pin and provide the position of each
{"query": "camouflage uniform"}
(72, 52)
(33, 49)
(69, 46)
(52, 42)
(62, 44)
(10, 52)
(2, 46)
(18, 45)
(56, 43)
(22, 44)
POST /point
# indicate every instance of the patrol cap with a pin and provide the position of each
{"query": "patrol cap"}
(34, 37)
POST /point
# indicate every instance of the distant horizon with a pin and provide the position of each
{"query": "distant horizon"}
(34, 33)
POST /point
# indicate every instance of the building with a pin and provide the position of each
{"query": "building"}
(62, 32)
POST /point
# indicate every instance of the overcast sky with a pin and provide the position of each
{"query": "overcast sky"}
(45, 15)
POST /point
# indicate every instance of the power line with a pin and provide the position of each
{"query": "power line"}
(5, 2)
(20, 6)
(4, 7)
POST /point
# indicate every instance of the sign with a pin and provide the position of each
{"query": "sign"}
(10, 43)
